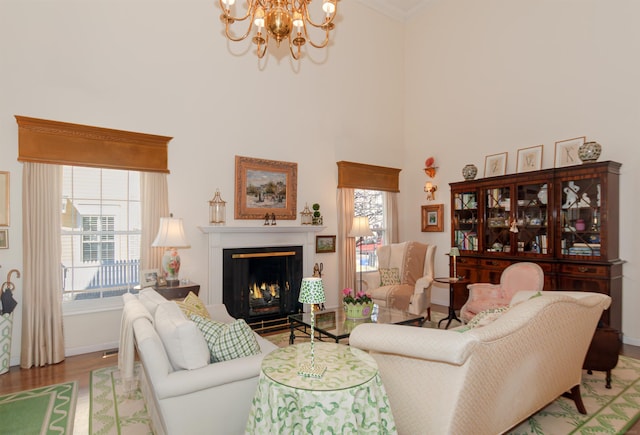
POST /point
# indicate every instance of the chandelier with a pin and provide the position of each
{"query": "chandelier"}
(279, 20)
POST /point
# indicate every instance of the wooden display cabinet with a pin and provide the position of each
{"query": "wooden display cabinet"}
(563, 219)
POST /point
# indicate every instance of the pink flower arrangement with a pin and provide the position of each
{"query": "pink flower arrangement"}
(359, 298)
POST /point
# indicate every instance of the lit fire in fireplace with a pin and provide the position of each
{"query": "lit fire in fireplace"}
(264, 291)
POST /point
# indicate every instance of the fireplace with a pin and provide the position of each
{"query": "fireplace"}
(262, 283)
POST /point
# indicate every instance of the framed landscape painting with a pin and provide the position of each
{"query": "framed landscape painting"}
(265, 188)
(433, 218)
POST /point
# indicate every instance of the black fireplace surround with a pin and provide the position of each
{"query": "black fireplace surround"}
(262, 283)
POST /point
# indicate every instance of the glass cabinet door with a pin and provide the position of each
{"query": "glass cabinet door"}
(580, 217)
(465, 220)
(497, 211)
(531, 218)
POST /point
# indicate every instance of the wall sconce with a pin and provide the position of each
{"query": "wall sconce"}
(429, 169)
(430, 188)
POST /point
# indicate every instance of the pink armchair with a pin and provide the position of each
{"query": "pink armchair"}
(517, 277)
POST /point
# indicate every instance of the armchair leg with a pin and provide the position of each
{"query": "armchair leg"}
(577, 398)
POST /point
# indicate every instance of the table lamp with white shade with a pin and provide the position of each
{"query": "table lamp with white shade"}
(171, 236)
(360, 229)
(312, 292)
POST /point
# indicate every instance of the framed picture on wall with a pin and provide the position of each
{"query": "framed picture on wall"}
(433, 218)
(4, 199)
(265, 188)
(529, 159)
(495, 164)
(325, 244)
(4, 239)
(567, 152)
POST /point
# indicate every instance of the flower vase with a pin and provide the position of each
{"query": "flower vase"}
(358, 311)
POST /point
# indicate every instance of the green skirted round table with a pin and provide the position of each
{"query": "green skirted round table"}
(348, 398)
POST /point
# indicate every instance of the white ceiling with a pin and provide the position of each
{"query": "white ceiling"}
(399, 9)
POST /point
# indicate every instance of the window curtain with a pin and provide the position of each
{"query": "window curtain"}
(42, 337)
(346, 245)
(391, 212)
(155, 204)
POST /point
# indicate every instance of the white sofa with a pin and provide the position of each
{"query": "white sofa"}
(215, 398)
(487, 379)
(414, 262)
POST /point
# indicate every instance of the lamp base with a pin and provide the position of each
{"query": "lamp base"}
(171, 266)
(312, 371)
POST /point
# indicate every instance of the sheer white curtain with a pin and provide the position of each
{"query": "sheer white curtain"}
(42, 337)
(346, 245)
(155, 204)
(391, 213)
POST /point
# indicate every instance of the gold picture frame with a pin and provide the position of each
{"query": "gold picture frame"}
(495, 164)
(4, 199)
(265, 188)
(529, 159)
(433, 218)
(566, 152)
(4, 238)
(325, 244)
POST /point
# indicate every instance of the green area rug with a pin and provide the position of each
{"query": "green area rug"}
(610, 411)
(46, 410)
(114, 410)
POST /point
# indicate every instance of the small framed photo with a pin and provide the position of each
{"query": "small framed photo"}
(529, 159)
(433, 218)
(4, 238)
(325, 244)
(495, 164)
(567, 152)
(162, 281)
(148, 277)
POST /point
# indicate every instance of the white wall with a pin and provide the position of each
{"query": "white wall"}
(484, 77)
(164, 68)
(479, 77)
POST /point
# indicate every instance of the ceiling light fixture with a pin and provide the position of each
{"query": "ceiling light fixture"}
(280, 19)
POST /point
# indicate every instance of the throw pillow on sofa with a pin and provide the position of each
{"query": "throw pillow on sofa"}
(192, 304)
(227, 341)
(151, 299)
(389, 276)
(182, 339)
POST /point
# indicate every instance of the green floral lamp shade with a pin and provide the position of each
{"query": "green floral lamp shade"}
(312, 291)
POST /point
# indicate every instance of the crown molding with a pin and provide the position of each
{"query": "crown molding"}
(391, 8)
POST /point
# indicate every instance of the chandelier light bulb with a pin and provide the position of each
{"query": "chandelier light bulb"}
(329, 7)
(228, 3)
(259, 18)
(297, 21)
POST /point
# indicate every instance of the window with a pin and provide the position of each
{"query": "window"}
(101, 231)
(97, 238)
(370, 203)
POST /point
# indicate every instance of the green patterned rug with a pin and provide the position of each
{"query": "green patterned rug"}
(114, 410)
(46, 410)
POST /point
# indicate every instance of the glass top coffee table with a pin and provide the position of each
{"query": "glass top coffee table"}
(334, 324)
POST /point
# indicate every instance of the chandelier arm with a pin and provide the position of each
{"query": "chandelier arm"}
(313, 44)
(264, 47)
(226, 12)
(293, 54)
(327, 21)
(240, 38)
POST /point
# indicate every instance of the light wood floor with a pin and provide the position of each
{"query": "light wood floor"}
(78, 368)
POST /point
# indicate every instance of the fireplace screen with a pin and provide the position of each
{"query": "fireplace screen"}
(262, 283)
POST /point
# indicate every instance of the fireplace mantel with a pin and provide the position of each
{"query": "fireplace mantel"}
(223, 237)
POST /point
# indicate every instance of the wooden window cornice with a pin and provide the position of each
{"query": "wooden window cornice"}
(62, 143)
(360, 176)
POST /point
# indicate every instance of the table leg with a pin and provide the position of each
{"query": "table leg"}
(292, 336)
(452, 312)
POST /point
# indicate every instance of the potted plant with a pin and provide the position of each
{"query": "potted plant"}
(357, 305)
(317, 217)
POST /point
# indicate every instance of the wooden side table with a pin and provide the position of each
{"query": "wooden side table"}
(179, 291)
(452, 311)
